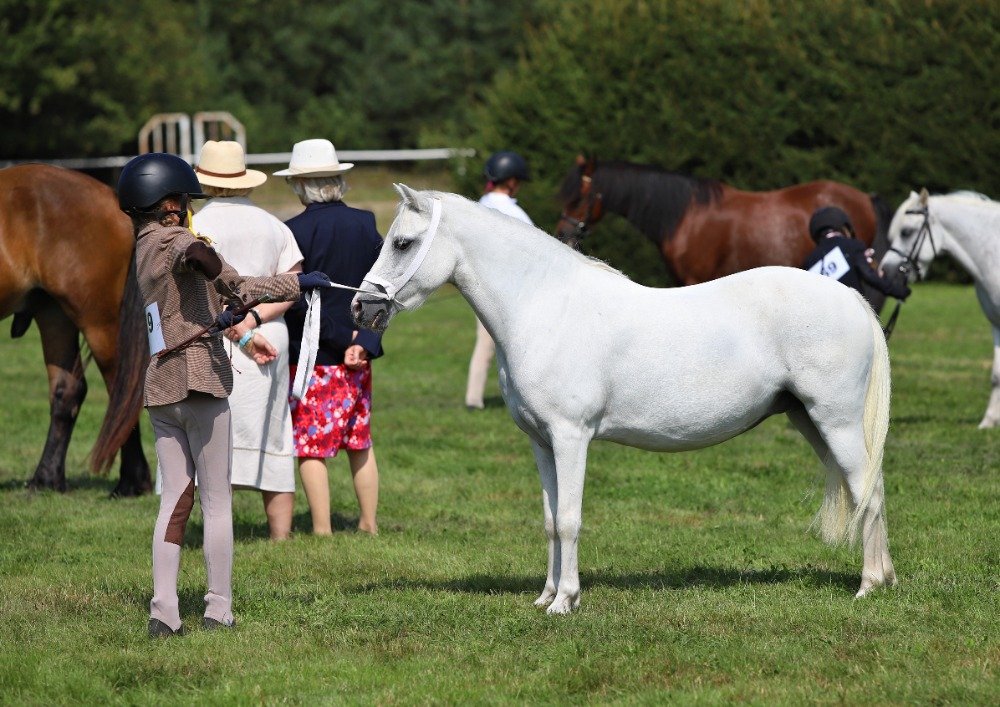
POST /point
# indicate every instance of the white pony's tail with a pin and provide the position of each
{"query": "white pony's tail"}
(839, 518)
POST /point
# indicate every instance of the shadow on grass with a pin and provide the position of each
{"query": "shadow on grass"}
(687, 578)
(253, 531)
(73, 483)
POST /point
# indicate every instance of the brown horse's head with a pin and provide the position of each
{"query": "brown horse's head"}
(582, 206)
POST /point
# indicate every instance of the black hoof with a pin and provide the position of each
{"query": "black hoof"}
(213, 625)
(130, 489)
(36, 484)
(158, 629)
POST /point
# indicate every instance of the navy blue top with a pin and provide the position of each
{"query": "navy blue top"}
(860, 268)
(344, 243)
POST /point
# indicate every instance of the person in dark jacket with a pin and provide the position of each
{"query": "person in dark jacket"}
(333, 412)
(838, 254)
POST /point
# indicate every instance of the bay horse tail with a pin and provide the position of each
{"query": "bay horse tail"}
(125, 395)
(840, 518)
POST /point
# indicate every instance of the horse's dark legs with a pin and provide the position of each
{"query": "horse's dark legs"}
(67, 390)
(135, 478)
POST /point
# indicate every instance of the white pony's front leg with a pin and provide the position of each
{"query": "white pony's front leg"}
(571, 466)
(545, 460)
(992, 417)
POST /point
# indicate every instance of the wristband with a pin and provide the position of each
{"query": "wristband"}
(256, 316)
(245, 339)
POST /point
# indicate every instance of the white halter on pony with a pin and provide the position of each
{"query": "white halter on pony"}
(966, 226)
(667, 370)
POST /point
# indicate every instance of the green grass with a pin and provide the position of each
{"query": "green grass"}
(701, 583)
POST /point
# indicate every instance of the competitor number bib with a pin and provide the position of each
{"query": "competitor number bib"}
(833, 264)
(153, 330)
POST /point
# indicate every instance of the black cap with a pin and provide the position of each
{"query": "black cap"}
(148, 178)
(501, 166)
(829, 218)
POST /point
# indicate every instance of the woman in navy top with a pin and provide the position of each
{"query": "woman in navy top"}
(334, 413)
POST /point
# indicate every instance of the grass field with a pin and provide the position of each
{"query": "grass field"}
(701, 583)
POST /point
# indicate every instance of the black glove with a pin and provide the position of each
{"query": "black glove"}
(310, 280)
(229, 318)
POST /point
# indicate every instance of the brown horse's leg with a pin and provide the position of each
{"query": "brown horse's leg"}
(67, 390)
(134, 477)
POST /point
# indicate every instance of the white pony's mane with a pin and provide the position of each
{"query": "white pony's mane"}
(586, 259)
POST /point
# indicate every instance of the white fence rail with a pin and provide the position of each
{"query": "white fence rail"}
(441, 153)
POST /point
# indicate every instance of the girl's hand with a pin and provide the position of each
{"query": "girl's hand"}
(260, 350)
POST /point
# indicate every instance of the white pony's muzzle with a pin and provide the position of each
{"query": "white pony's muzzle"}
(387, 290)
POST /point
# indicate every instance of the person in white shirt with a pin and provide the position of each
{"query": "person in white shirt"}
(505, 172)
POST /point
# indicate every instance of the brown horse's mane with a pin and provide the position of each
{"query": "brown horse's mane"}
(653, 199)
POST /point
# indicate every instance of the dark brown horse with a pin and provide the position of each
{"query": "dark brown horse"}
(65, 253)
(705, 229)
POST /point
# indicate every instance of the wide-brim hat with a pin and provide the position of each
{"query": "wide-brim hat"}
(314, 158)
(223, 164)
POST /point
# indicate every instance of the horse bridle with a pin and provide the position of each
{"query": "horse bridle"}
(910, 260)
(581, 227)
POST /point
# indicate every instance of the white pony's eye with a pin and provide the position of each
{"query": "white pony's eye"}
(905, 232)
(401, 243)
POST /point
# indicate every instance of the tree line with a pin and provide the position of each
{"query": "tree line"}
(887, 95)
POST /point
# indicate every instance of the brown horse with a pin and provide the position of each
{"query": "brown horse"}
(705, 229)
(65, 253)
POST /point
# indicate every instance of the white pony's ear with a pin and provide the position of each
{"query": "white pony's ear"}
(412, 198)
(923, 196)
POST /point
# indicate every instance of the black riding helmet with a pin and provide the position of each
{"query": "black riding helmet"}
(501, 166)
(148, 178)
(829, 218)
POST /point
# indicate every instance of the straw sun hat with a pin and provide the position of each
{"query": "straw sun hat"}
(314, 158)
(223, 164)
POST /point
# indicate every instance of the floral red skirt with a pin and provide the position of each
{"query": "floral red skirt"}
(335, 412)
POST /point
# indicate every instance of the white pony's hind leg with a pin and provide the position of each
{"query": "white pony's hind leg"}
(878, 569)
(992, 417)
(848, 454)
(545, 460)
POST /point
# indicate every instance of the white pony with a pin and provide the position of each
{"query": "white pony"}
(584, 353)
(966, 225)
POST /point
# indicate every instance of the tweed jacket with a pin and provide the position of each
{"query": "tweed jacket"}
(174, 270)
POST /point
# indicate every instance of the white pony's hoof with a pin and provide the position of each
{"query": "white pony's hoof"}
(563, 604)
(868, 585)
(987, 424)
(545, 598)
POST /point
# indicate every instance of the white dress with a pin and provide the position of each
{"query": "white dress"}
(256, 243)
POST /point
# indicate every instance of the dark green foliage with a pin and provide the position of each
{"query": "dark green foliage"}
(80, 79)
(884, 96)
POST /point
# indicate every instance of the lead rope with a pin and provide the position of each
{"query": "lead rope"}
(308, 347)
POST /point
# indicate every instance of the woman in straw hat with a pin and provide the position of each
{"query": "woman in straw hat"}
(255, 243)
(333, 412)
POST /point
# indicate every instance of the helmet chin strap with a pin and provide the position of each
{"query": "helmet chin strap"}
(391, 289)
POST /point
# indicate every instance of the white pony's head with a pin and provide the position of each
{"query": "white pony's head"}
(911, 243)
(414, 261)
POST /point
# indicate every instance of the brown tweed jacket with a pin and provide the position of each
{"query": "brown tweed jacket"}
(174, 270)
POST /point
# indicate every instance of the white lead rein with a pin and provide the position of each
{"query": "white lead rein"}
(310, 330)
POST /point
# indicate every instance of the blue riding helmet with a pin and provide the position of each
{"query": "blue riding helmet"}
(503, 165)
(148, 178)
(829, 218)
